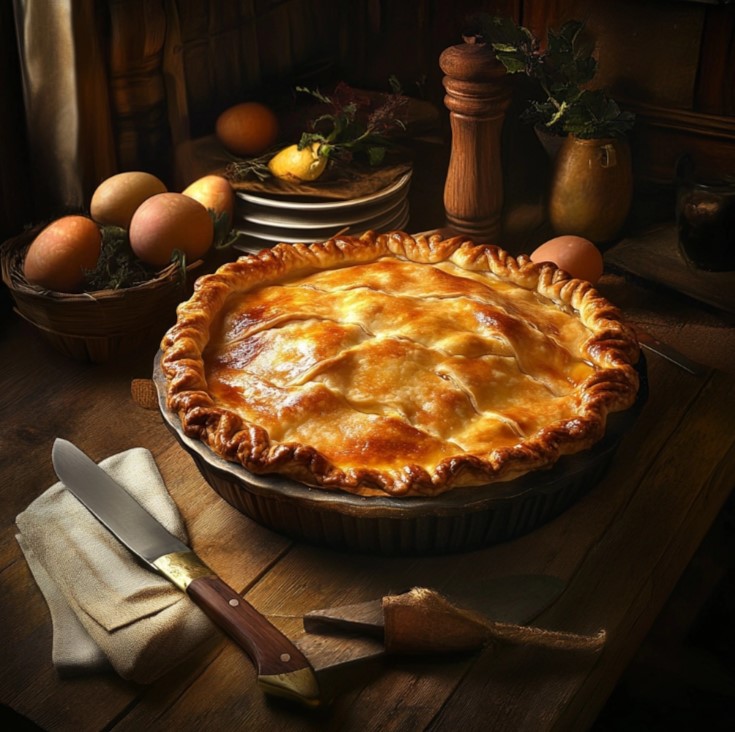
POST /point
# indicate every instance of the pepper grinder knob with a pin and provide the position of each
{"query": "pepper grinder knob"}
(478, 93)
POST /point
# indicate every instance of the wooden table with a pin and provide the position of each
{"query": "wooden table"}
(620, 550)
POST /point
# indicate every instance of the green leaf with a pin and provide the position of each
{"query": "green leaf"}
(117, 266)
(222, 225)
(512, 65)
(314, 93)
(504, 48)
(309, 138)
(376, 154)
(506, 30)
(597, 115)
(395, 84)
(178, 258)
(571, 30)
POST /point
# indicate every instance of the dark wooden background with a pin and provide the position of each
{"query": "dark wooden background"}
(671, 62)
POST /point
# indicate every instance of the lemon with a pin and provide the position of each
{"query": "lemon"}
(298, 165)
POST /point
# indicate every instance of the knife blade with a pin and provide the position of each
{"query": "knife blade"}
(670, 354)
(282, 668)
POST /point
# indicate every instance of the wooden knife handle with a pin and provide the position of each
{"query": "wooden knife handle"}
(282, 669)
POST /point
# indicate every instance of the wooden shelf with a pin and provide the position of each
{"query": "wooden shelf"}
(654, 256)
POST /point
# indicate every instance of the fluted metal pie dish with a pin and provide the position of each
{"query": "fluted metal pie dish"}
(461, 520)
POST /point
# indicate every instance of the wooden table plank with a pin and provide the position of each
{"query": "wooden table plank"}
(620, 548)
(307, 576)
(626, 575)
(92, 406)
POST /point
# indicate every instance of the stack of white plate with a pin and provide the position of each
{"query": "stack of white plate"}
(264, 221)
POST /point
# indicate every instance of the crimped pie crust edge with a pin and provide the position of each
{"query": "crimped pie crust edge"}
(613, 349)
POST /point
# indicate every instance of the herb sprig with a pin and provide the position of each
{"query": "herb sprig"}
(352, 125)
(117, 266)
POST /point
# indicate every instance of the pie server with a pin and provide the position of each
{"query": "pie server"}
(354, 639)
(669, 353)
(516, 599)
(282, 668)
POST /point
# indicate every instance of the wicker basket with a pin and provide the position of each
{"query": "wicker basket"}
(98, 326)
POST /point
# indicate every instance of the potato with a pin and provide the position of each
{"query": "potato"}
(117, 198)
(169, 221)
(215, 193)
(62, 253)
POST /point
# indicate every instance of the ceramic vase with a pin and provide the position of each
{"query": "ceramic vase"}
(591, 188)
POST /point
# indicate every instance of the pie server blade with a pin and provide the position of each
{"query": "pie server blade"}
(514, 599)
(282, 668)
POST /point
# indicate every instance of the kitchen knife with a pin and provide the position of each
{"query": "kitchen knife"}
(282, 668)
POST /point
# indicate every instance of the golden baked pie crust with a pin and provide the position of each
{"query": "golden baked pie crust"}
(388, 364)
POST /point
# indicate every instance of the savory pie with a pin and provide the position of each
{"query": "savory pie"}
(388, 364)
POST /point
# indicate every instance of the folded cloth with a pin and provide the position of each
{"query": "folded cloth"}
(106, 608)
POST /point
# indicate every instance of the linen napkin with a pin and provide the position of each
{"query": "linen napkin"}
(106, 609)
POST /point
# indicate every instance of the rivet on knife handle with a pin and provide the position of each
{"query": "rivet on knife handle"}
(282, 669)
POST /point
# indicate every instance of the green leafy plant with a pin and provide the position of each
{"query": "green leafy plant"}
(562, 70)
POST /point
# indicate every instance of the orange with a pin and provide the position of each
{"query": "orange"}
(248, 128)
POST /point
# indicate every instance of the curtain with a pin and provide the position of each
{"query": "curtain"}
(119, 85)
(116, 85)
(66, 100)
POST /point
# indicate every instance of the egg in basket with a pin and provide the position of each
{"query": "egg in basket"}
(99, 285)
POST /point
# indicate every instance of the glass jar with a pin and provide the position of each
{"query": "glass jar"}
(705, 220)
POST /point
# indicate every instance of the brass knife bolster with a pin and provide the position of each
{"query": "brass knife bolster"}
(182, 568)
(282, 669)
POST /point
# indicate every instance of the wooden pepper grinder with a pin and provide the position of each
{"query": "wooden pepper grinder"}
(478, 95)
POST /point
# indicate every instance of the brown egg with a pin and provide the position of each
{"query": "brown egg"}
(249, 128)
(215, 193)
(577, 256)
(62, 253)
(169, 221)
(116, 198)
